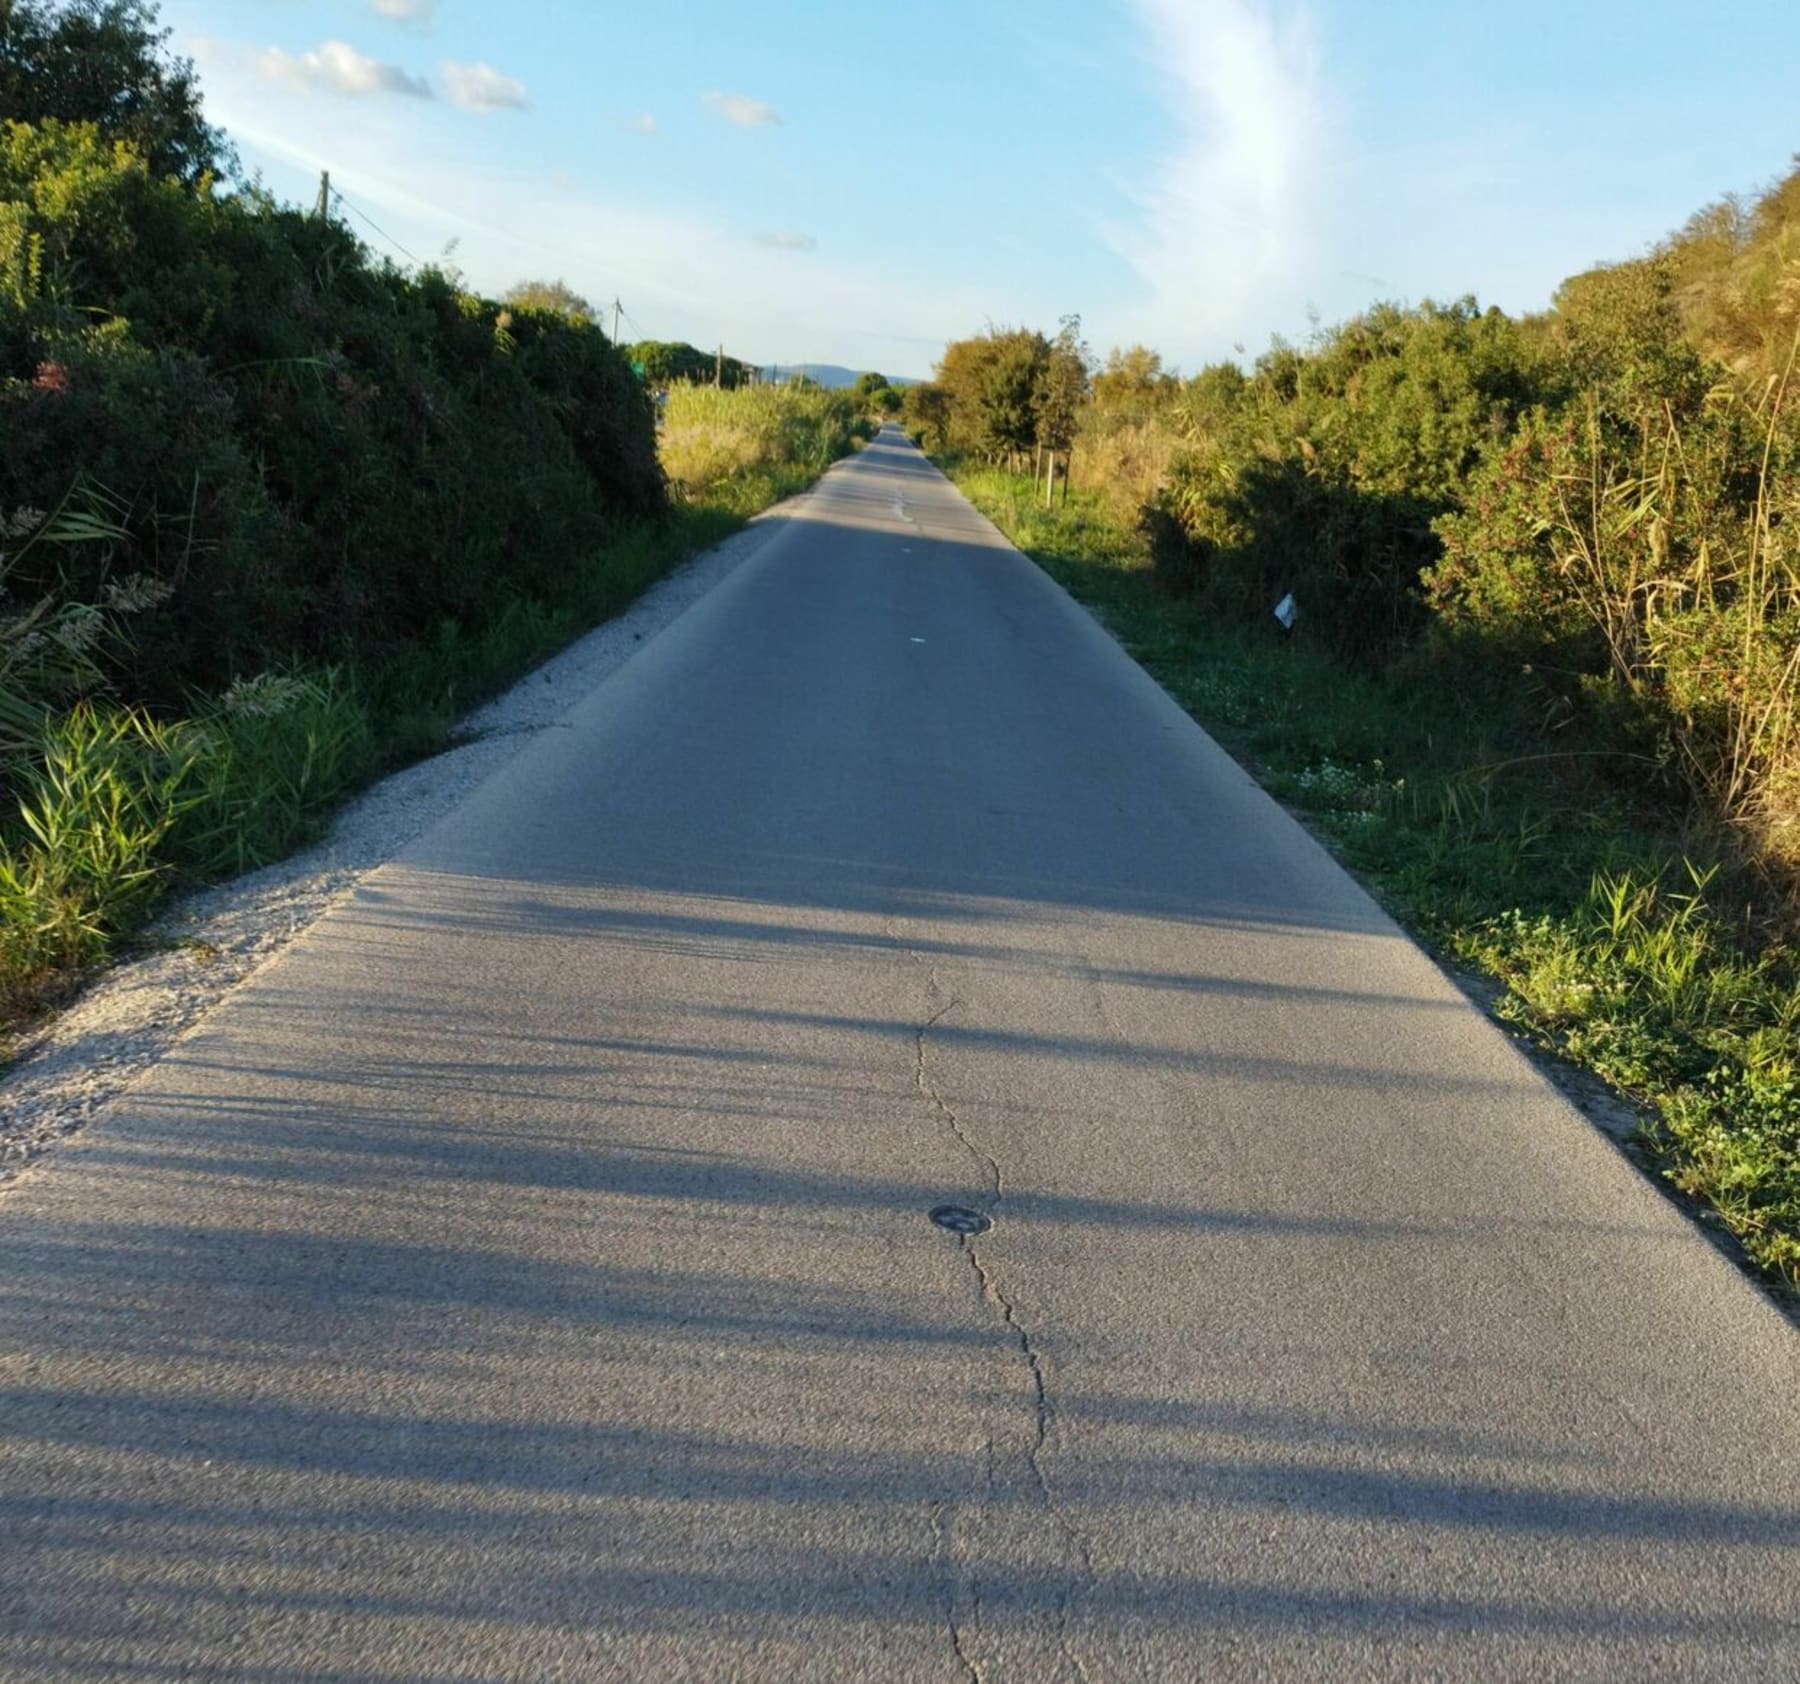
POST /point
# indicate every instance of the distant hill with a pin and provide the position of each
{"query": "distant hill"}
(830, 375)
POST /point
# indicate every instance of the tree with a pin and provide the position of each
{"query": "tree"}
(665, 361)
(1061, 389)
(106, 62)
(1134, 377)
(1062, 386)
(957, 391)
(991, 385)
(550, 295)
(925, 409)
(875, 395)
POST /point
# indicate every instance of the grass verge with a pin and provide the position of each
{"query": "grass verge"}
(1619, 945)
(117, 808)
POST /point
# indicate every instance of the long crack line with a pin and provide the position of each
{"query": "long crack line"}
(1042, 1410)
(947, 1558)
(996, 1183)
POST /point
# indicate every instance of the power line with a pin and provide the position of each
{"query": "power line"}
(363, 216)
(376, 226)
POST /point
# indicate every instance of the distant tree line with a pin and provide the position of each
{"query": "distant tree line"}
(668, 362)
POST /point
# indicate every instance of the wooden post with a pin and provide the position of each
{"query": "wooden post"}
(323, 209)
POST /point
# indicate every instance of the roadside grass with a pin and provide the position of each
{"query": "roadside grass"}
(1621, 944)
(114, 809)
(741, 448)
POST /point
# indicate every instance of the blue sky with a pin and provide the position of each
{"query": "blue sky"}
(856, 182)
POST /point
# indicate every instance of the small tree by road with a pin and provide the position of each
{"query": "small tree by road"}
(1060, 391)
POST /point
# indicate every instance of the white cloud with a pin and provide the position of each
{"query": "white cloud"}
(1223, 242)
(480, 87)
(642, 123)
(742, 110)
(417, 14)
(340, 69)
(786, 239)
(682, 272)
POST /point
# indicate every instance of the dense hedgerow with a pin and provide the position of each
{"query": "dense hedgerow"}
(272, 511)
(1580, 522)
(320, 455)
(1545, 688)
(268, 509)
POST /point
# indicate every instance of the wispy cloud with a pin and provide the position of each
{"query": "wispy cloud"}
(683, 272)
(340, 69)
(786, 239)
(642, 123)
(742, 110)
(416, 14)
(480, 87)
(1223, 239)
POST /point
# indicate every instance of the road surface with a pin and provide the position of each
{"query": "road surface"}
(529, 1275)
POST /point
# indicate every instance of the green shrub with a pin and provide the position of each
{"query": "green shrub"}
(323, 455)
(108, 787)
(1321, 474)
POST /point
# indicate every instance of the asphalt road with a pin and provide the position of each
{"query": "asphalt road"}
(529, 1276)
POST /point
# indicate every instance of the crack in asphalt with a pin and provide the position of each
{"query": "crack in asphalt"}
(943, 1528)
(1043, 1411)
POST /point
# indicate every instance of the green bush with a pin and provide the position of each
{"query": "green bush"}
(322, 455)
(1322, 473)
(257, 481)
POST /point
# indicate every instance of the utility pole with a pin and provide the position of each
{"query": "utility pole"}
(719, 366)
(323, 209)
(617, 309)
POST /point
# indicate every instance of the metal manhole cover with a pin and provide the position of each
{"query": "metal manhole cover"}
(959, 1219)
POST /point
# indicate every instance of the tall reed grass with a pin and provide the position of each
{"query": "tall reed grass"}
(726, 446)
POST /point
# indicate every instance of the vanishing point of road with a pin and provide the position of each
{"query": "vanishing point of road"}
(529, 1275)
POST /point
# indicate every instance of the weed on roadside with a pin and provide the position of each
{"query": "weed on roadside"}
(1550, 873)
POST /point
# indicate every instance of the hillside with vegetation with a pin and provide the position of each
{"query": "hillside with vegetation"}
(1542, 690)
(274, 511)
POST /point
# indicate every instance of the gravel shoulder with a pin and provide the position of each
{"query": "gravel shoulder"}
(207, 943)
